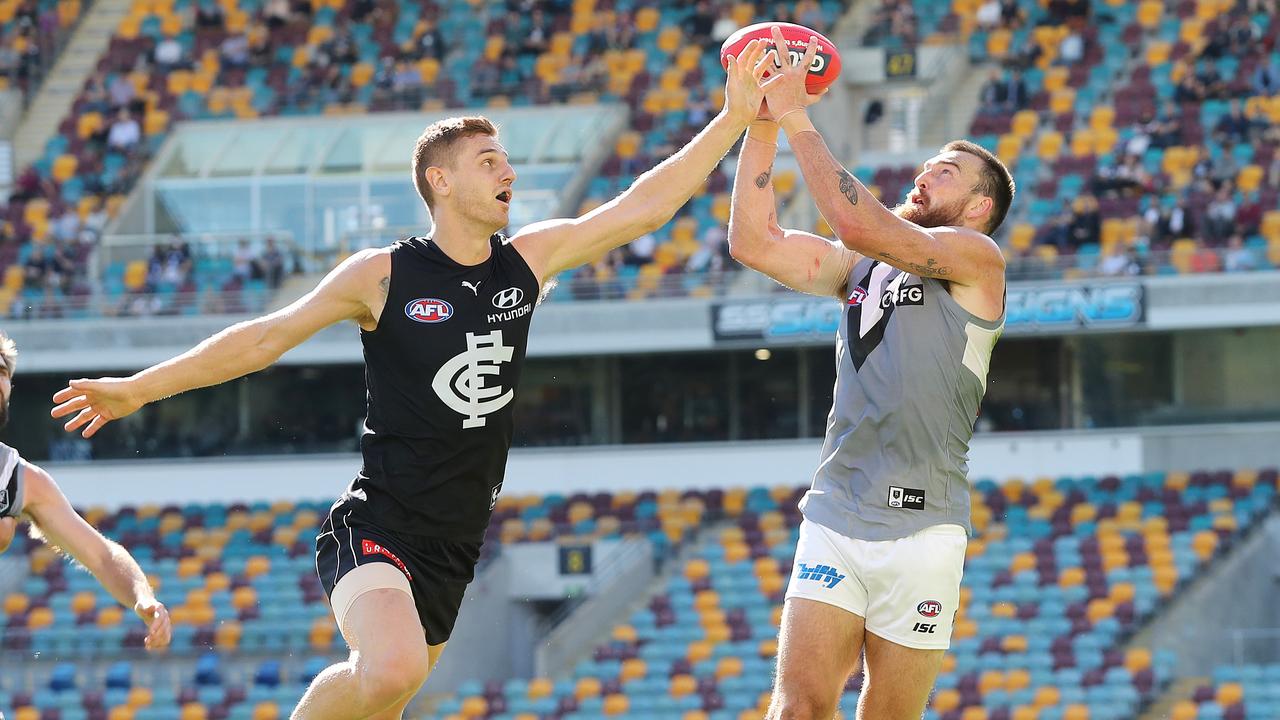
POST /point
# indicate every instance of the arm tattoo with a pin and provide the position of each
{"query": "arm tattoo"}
(385, 286)
(763, 178)
(848, 186)
(929, 269)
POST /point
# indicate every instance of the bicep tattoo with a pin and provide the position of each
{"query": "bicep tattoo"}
(931, 268)
(385, 286)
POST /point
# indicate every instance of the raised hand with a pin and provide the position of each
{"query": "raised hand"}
(96, 403)
(743, 92)
(784, 89)
(156, 616)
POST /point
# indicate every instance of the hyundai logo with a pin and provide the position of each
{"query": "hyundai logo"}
(508, 298)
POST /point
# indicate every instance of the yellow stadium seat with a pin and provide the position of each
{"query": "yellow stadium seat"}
(266, 710)
(1018, 678)
(474, 707)
(1149, 12)
(1158, 52)
(1062, 102)
(1249, 178)
(646, 19)
(1190, 31)
(767, 648)
(83, 602)
(730, 666)
(540, 688)
(998, 43)
(15, 603)
(616, 704)
(944, 701)
(974, 712)
(682, 685)
(257, 565)
(1014, 644)
(633, 669)
(1184, 710)
(1070, 577)
(1204, 543)
(670, 39)
(1026, 712)
(990, 680)
(1047, 696)
(121, 712)
(1024, 123)
(64, 167)
(587, 687)
(1076, 711)
(40, 617)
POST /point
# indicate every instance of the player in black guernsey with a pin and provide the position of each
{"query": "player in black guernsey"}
(444, 320)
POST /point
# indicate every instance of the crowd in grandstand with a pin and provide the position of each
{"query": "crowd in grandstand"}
(1184, 164)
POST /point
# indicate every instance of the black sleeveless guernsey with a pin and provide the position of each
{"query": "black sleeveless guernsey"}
(442, 368)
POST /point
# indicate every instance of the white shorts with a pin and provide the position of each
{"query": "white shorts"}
(907, 590)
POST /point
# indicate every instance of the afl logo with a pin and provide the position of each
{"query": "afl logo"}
(428, 310)
(929, 608)
(857, 296)
(508, 298)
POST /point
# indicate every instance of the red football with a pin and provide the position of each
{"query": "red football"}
(826, 63)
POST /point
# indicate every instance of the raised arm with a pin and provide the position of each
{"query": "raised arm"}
(553, 246)
(64, 529)
(355, 290)
(959, 255)
(803, 261)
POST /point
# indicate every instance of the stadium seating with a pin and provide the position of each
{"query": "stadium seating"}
(1059, 577)
(31, 35)
(1060, 574)
(1246, 692)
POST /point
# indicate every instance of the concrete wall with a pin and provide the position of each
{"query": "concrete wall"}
(997, 456)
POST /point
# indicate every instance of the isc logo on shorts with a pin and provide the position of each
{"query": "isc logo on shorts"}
(906, 498)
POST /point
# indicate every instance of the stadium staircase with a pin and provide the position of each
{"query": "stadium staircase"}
(1180, 690)
(59, 91)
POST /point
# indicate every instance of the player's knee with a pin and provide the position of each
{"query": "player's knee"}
(390, 674)
(799, 706)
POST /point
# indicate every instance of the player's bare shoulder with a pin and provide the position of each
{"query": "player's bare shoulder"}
(982, 293)
(365, 277)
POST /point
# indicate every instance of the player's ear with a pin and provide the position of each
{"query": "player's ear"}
(980, 208)
(438, 180)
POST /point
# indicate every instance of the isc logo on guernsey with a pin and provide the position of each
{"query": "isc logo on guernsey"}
(428, 310)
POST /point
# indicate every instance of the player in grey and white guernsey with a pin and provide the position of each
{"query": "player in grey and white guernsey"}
(882, 545)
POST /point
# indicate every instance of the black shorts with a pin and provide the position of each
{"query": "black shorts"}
(438, 569)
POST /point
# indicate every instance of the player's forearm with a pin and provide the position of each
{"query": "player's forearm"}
(120, 574)
(843, 201)
(239, 350)
(753, 211)
(662, 190)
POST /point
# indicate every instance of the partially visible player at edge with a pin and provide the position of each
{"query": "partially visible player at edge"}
(886, 521)
(444, 321)
(28, 493)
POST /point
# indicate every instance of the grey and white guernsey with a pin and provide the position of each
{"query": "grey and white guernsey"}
(911, 369)
(12, 487)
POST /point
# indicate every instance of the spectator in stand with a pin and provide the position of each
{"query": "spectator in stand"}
(167, 55)
(95, 95)
(243, 262)
(1220, 218)
(209, 16)
(277, 14)
(1239, 258)
(1266, 77)
(1234, 127)
(1210, 78)
(407, 85)
(538, 37)
(1071, 49)
(1205, 260)
(993, 95)
(1086, 222)
(1189, 88)
(1120, 261)
(432, 44)
(809, 14)
(724, 26)
(124, 133)
(1169, 222)
(1166, 128)
(121, 92)
(988, 15)
(235, 51)
(640, 251)
(1012, 15)
(1225, 167)
(699, 23)
(272, 264)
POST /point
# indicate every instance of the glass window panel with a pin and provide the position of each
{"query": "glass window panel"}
(196, 148)
(206, 207)
(299, 150)
(242, 156)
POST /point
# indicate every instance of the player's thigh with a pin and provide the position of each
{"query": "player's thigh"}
(898, 679)
(818, 647)
(386, 639)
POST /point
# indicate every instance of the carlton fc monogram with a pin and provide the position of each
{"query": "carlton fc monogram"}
(461, 382)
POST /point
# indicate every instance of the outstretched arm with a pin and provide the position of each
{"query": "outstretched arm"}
(553, 246)
(959, 255)
(803, 261)
(349, 292)
(111, 564)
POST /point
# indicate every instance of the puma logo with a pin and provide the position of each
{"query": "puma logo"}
(475, 289)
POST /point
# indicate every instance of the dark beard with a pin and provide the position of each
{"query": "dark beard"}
(4, 415)
(931, 216)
